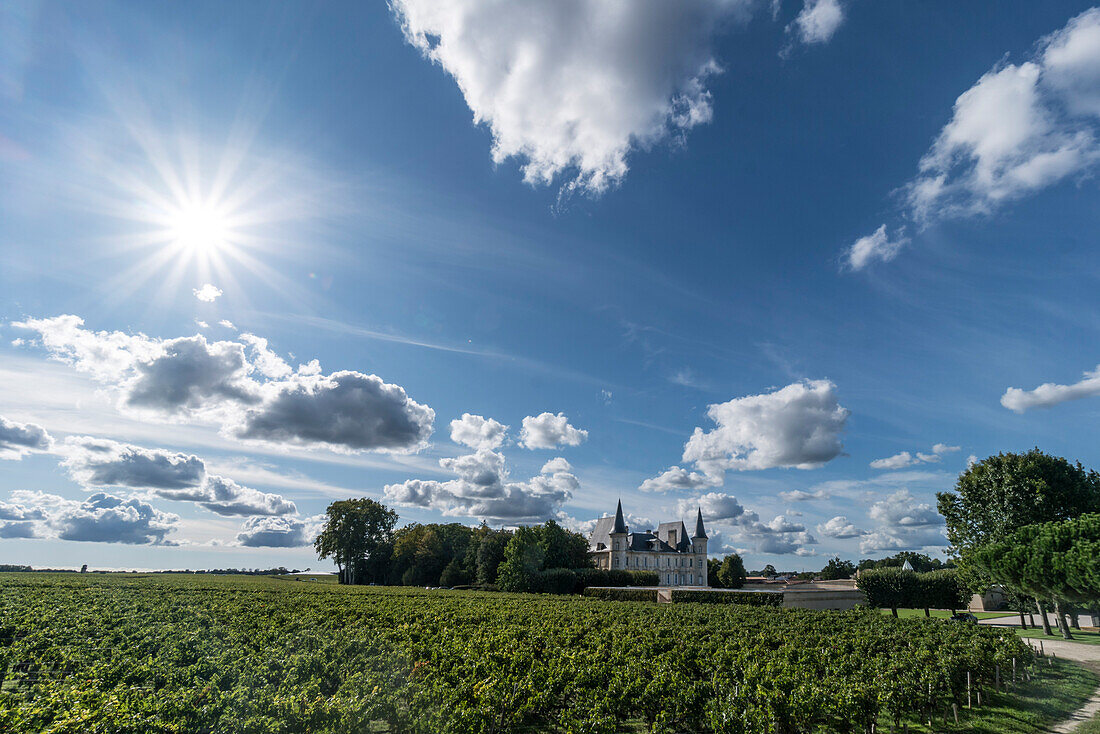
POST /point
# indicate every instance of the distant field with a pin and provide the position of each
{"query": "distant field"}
(159, 653)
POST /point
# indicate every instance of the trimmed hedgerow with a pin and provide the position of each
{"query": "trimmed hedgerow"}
(748, 598)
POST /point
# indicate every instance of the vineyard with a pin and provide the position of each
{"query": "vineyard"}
(133, 653)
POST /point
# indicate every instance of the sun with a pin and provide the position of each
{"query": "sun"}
(199, 228)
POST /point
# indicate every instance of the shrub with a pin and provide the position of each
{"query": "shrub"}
(749, 598)
(622, 594)
(554, 581)
(613, 577)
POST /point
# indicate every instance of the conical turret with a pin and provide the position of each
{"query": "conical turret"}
(700, 532)
(620, 523)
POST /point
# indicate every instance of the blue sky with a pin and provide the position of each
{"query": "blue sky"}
(862, 231)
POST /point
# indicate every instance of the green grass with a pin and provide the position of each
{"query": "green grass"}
(1091, 726)
(944, 613)
(1085, 637)
(1032, 707)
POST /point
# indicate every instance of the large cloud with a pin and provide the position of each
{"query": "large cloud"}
(243, 386)
(19, 439)
(572, 86)
(549, 431)
(101, 518)
(104, 463)
(98, 463)
(279, 532)
(796, 426)
(1019, 129)
(1050, 393)
(344, 410)
(483, 490)
(478, 432)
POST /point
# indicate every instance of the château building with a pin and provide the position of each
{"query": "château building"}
(677, 559)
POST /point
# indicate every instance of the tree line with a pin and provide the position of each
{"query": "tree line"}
(360, 537)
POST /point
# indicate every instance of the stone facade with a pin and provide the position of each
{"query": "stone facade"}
(677, 559)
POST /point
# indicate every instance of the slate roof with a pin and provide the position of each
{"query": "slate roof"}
(700, 532)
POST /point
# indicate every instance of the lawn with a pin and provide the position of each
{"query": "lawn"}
(1088, 636)
(1032, 707)
(944, 613)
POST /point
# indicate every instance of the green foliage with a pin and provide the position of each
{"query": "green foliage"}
(920, 562)
(555, 581)
(161, 654)
(357, 536)
(614, 577)
(489, 553)
(454, 574)
(1003, 493)
(731, 573)
(1056, 560)
(622, 594)
(748, 598)
(422, 552)
(837, 569)
(892, 588)
(889, 588)
(534, 549)
(943, 589)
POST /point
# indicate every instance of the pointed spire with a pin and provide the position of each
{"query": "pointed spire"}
(620, 524)
(699, 531)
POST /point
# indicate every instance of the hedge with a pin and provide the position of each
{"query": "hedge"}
(614, 577)
(622, 594)
(748, 598)
(576, 580)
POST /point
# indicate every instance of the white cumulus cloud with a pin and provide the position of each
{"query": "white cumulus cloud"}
(208, 293)
(1049, 393)
(839, 527)
(571, 87)
(478, 432)
(243, 386)
(482, 489)
(19, 439)
(796, 426)
(549, 431)
(1020, 128)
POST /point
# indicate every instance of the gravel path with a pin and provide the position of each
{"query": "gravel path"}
(1089, 655)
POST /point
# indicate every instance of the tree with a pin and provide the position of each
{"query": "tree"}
(713, 564)
(356, 535)
(1003, 493)
(769, 571)
(1059, 561)
(942, 589)
(837, 569)
(731, 573)
(490, 554)
(532, 550)
(888, 588)
(524, 557)
(422, 552)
